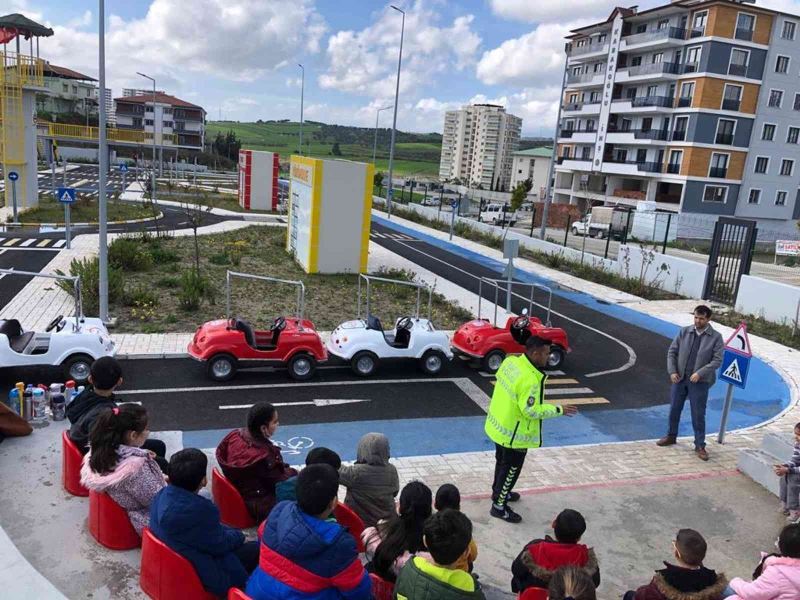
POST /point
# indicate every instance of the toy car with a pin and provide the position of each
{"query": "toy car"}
(483, 341)
(364, 343)
(72, 343)
(225, 345)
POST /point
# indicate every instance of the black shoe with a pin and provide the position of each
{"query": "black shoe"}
(506, 514)
(513, 497)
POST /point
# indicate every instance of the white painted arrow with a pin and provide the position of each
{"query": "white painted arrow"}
(4, 274)
(318, 402)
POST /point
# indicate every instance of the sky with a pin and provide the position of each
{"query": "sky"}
(239, 58)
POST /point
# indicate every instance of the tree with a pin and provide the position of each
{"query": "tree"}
(528, 183)
(518, 196)
(336, 151)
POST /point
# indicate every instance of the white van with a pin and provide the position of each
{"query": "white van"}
(494, 214)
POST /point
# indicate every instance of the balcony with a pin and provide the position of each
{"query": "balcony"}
(729, 104)
(643, 101)
(588, 49)
(678, 135)
(628, 136)
(684, 101)
(586, 79)
(696, 33)
(737, 70)
(656, 35)
(719, 172)
(744, 34)
(673, 168)
(649, 167)
(724, 138)
(654, 69)
(584, 108)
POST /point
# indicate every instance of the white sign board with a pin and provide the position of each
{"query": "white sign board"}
(787, 247)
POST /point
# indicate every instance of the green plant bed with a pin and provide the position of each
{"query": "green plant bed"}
(777, 332)
(83, 211)
(330, 299)
(220, 200)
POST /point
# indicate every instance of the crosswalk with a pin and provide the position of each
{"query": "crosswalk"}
(401, 237)
(565, 390)
(10, 243)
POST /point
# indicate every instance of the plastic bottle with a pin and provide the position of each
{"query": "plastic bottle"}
(20, 387)
(58, 404)
(27, 403)
(39, 405)
(69, 391)
(13, 400)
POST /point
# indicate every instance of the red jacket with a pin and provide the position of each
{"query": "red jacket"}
(537, 562)
(254, 467)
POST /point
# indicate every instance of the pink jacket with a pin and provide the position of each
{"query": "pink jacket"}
(780, 580)
(371, 538)
(132, 484)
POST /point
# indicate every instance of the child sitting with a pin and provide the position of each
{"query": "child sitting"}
(448, 496)
(372, 483)
(789, 473)
(118, 465)
(571, 583)
(189, 524)
(446, 535)
(286, 490)
(535, 565)
(779, 577)
(687, 577)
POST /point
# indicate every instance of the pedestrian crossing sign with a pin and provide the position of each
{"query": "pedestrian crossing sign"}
(734, 368)
(65, 195)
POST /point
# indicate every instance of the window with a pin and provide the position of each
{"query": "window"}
(762, 164)
(754, 197)
(745, 24)
(738, 64)
(725, 131)
(780, 198)
(782, 64)
(679, 133)
(662, 24)
(787, 167)
(675, 158)
(768, 132)
(585, 153)
(715, 193)
(573, 98)
(797, 101)
(732, 97)
(631, 93)
(641, 28)
(718, 165)
(788, 30)
(793, 136)
(148, 122)
(693, 59)
(594, 97)
(652, 90)
(137, 122)
(687, 93)
(647, 123)
(699, 21)
(636, 61)
(590, 125)
(576, 71)
(598, 67)
(166, 124)
(65, 88)
(601, 38)
(658, 57)
(775, 98)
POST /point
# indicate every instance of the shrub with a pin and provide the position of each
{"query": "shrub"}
(141, 296)
(235, 251)
(129, 254)
(168, 282)
(88, 269)
(218, 259)
(162, 255)
(193, 288)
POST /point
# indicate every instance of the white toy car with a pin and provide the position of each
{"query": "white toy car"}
(364, 343)
(72, 343)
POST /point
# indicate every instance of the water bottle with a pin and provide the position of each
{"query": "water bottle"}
(27, 403)
(58, 403)
(69, 391)
(39, 405)
(13, 400)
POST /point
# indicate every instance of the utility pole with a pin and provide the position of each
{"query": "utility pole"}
(302, 91)
(390, 188)
(102, 216)
(375, 143)
(153, 170)
(553, 155)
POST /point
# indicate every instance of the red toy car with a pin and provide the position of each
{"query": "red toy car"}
(481, 340)
(290, 341)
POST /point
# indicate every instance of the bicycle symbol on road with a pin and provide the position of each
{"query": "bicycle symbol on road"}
(295, 445)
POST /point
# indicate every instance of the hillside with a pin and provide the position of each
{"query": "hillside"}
(415, 154)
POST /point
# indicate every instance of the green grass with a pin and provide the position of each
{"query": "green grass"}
(220, 200)
(83, 211)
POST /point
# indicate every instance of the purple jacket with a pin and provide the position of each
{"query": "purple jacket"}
(132, 484)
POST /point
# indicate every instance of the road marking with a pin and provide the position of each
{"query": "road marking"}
(27, 242)
(80, 183)
(4, 274)
(567, 391)
(43, 243)
(12, 241)
(59, 243)
(317, 403)
(561, 381)
(577, 401)
(631, 353)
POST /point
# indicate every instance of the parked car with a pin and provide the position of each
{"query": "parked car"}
(498, 214)
(526, 207)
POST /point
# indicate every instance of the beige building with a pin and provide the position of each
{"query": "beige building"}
(477, 146)
(533, 163)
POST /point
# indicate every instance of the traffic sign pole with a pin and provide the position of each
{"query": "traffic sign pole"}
(67, 226)
(726, 410)
(734, 369)
(14, 198)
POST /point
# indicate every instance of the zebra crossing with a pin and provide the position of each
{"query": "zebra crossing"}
(20, 243)
(565, 390)
(400, 237)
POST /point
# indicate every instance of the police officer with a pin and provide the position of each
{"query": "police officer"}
(515, 419)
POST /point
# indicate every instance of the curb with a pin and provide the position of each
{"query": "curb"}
(145, 356)
(71, 224)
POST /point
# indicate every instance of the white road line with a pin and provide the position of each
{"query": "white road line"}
(631, 353)
(43, 243)
(567, 391)
(577, 401)
(59, 243)
(317, 403)
(12, 241)
(27, 242)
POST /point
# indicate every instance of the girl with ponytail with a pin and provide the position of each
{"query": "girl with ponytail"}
(118, 466)
(392, 542)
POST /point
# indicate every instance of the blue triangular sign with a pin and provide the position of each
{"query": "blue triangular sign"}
(66, 197)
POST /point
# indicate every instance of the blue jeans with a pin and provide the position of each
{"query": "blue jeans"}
(698, 398)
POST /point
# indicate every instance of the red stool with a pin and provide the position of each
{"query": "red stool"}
(381, 589)
(534, 593)
(109, 523)
(232, 510)
(237, 594)
(351, 521)
(166, 575)
(71, 461)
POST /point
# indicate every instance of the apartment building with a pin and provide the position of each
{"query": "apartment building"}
(478, 142)
(108, 100)
(69, 93)
(693, 105)
(533, 164)
(176, 123)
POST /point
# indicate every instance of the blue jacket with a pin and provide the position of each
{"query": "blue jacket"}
(190, 525)
(305, 558)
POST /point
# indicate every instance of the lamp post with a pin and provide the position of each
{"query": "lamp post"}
(390, 188)
(302, 90)
(102, 216)
(375, 143)
(153, 171)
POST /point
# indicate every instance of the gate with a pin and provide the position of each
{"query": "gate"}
(730, 257)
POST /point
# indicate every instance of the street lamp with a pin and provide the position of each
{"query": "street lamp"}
(375, 143)
(302, 89)
(153, 170)
(390, 189)
(102, 149)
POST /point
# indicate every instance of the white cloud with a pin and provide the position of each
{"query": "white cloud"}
(365, 62)
(531, 11)
(79, 22)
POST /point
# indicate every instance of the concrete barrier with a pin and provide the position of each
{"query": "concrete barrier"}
(776, 302)
(681, 276)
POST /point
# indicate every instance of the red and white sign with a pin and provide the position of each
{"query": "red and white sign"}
(258, 180)
(787, 247)
(739, 342)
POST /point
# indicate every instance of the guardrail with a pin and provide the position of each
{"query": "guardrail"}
(21, 69)
(113, 134)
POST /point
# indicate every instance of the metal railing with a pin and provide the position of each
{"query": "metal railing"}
(642, 101)
(673, 168)
(650, 134)
(720, 172)
(583, 77)
(737, 70)
(724, 138)
(729, 104)
(655, 35)
(496, 283)
(692, 67)
(678, 136)
(649, 167)
(21, 69)
(113, 134)
(76, 285)
(744, 34)
(578, 50)
(654, 69)
(684, 101)
(301, 290)
(419, 287)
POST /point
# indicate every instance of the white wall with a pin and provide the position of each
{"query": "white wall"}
(684, 277)
(774, 301)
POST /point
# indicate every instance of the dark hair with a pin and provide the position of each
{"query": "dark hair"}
(105, 372)
(317, 486)
(323, 456)
(403, 532)
(447, 535)
(797, 426)
(447, 496)
(789, 541)
(187, 468)
(108, 432)
(535, 342)
(261, 413)
(703, 311)
(571, 582)
(569, 526)
(691, 546)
